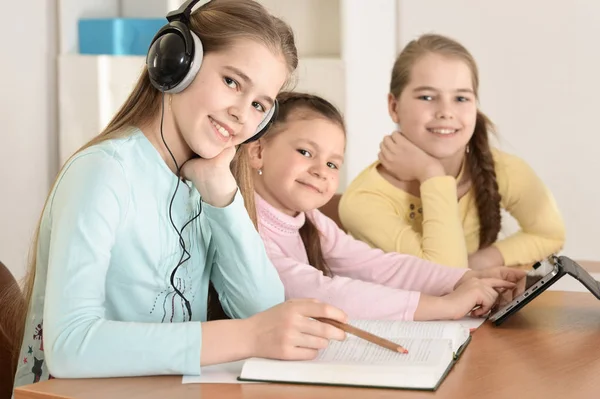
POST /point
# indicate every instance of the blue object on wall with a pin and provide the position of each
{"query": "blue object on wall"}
(117, 36)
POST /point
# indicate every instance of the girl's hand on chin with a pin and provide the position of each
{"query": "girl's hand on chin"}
(407, 162)
(212, 177)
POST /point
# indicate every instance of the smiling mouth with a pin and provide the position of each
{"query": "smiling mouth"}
(443, 132)
(310, 186)
(224, 132)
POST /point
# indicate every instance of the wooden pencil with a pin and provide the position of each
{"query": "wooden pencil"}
(364, 335)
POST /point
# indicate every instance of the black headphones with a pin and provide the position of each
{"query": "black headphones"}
(175, 56)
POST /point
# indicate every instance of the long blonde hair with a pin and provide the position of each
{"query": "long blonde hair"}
(480, 162)
(218, 24)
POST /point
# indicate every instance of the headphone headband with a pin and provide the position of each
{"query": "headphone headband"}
(183, 12)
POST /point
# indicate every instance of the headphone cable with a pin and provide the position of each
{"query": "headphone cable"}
(185, 255)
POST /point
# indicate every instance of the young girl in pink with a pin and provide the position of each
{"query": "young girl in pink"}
(297, 166)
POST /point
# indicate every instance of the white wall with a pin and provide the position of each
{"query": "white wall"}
(368, 50)
(539, 63)
(28, 139)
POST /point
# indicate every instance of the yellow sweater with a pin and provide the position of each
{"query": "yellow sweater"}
(441, 229)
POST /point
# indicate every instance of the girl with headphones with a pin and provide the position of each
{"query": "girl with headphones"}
(146, 214)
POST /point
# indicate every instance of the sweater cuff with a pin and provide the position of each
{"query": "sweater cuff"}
(439, 183)
(194, 352)
(227, 215)
(453, 277)
(411, 306)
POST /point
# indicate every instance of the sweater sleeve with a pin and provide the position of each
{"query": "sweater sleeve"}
(243, 275)
(529, 201)
(372, 213)
(90, 201)
(359, 299)
(352, 258)
(366, 283)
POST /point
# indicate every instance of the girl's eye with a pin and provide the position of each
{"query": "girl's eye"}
(461, 99)
(425, 98)
(230, 82)
(304, 153)
(258, 106)
(331, 165)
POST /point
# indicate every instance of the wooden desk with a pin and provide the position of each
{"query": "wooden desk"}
(550, 349)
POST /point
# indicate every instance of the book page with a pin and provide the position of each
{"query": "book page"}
(470, 323)
(421, 352)
(396, 330)
(359, 362)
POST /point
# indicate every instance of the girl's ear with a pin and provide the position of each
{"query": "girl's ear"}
(255, 154)
(392, 106)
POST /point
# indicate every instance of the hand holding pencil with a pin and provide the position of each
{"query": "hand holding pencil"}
(365, 335)
(290, 331)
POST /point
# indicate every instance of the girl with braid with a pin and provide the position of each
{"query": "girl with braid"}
(438, 187)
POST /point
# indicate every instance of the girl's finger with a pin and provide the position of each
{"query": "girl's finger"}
(497, 283)
(300, 353)
(321, 310)
(388, 144)
(309, 341)
(479, 312)
(386, 156)
(320, 329)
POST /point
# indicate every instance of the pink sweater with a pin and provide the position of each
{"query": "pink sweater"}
(367, 283)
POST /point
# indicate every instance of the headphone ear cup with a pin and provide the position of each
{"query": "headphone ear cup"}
(266, 123)
(194, 66)
(174, 58)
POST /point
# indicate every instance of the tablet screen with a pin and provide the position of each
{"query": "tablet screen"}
(539, 275)
(534, 276)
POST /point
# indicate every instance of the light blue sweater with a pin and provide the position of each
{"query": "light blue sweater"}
(106, 250)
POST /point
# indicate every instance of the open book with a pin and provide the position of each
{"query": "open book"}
(433, 348)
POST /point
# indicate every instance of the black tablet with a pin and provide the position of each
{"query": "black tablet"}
(538, 279)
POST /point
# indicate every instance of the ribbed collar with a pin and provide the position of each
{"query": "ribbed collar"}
(277, 221)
